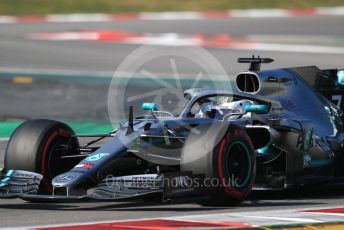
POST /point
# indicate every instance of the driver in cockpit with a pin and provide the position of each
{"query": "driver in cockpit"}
(218, 110)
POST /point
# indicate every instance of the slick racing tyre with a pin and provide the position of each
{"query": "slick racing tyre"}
(40, 146)
(225, 156)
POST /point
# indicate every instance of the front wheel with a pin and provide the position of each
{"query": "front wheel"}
(42, 146)
(229, 163)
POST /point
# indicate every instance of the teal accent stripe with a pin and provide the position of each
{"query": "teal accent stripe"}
(5, 180)
(9, 173)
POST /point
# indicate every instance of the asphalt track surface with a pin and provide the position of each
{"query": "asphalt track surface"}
(18, 52)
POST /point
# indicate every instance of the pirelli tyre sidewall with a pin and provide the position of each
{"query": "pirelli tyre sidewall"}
(234, 164)
(230, 161)
(36, 146)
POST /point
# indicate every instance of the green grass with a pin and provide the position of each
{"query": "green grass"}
(87, 127)
(40, 7)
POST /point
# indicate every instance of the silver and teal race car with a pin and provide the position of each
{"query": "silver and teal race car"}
(276, 129)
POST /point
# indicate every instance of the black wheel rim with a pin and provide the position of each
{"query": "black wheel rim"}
(56, 163)
(238, 165)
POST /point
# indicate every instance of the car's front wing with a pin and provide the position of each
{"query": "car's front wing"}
(123, 188)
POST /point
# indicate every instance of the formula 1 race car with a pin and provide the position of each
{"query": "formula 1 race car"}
(276, 129)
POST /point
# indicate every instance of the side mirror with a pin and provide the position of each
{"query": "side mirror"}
(261, 109)
(149, 106)
(340, 76)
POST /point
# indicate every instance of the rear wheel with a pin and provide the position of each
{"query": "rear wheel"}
(228, 163)
(42, 146)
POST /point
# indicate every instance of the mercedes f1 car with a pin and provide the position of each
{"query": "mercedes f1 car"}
(276, 129)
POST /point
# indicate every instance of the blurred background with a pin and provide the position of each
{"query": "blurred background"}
(57, 57)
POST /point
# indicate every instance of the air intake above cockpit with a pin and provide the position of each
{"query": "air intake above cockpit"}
(248, 82)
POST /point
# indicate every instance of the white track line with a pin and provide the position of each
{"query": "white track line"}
(186, 15)
(327, 213)
(330, 11)
(259, 13)
(63, 18)
(293, 219)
